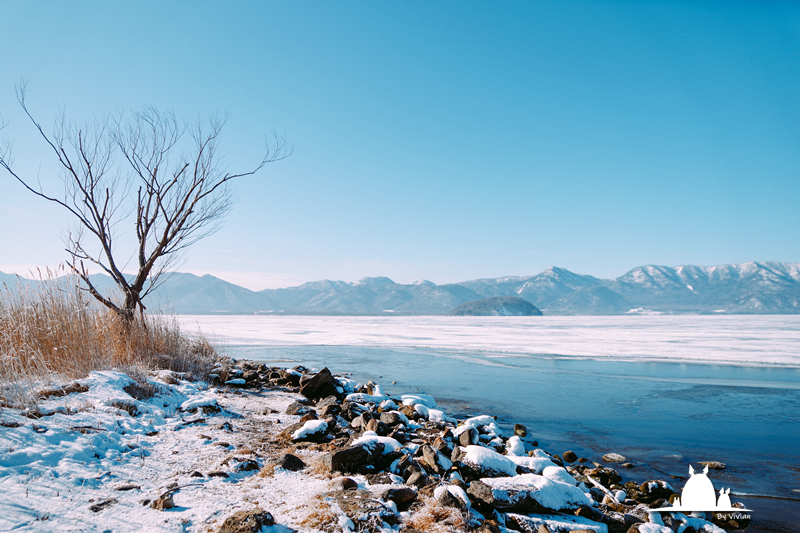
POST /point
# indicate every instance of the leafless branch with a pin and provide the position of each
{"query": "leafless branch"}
(113, 168)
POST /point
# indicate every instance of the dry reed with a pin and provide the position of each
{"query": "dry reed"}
(52, 331)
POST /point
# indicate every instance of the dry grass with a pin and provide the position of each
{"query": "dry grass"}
(51, 331)
(320, 516)
(435, 519)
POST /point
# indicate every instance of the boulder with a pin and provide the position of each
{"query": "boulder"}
(247, 521)
(391, 418)
(446, 499)
(527, 493)
(614, 458)
(488, 463)
(417, 479)
(435, 460)
(320, 385)
(348, 460)
(290, 462)
(520, 430)
(469, 437)
(401, 496)
(312, 431)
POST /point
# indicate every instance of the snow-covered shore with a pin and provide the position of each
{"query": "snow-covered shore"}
(191, 456)
(55, 469)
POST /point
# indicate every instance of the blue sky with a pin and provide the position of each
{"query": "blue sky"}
(438, 140)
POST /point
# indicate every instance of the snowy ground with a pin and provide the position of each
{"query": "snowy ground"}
(745, 339)
(55, 468)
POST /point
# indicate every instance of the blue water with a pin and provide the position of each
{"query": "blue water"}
(662, 416)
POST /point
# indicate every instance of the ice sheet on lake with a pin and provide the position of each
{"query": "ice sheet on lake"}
(745, 339)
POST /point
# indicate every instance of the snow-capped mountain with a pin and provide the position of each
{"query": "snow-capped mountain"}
(755, 287)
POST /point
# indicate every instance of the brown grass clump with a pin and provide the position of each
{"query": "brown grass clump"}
(51, 331)
(318, 469)
(267, 471)
(435, 519)
(321, 516)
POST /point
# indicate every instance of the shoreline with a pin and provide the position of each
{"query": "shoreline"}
(256, 435)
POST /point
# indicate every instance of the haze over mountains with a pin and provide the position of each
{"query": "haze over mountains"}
(755, 287)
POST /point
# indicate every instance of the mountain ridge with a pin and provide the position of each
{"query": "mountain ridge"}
(755, 287)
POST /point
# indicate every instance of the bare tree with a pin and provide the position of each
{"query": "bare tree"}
(138, 170)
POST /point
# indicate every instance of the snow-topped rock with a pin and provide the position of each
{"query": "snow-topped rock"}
(414, 399)
(514, 446)
(488, 463)
(558, 523)
(558, 473)
(310, 429)
(370, 438)
(528, 493)
(535, 465)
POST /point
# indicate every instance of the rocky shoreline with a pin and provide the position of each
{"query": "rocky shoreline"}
(465, 474)
(264, 448)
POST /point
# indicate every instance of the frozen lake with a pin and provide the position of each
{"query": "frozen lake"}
(773, 340)
(666, 391)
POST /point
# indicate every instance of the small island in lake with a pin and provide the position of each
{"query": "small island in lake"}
(497, 306)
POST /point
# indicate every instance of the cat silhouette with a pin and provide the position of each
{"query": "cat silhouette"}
(698, 493)
(724, 499)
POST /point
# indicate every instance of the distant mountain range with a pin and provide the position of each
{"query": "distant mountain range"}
(748, 288)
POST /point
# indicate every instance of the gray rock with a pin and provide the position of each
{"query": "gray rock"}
(325, 402)
(448, 500)
(417, 479)
(378, 427)
(391, 418)
(320, 385)
(469, 437)
(348, 460)
(290, 462)
(434, 460)
(298, 408)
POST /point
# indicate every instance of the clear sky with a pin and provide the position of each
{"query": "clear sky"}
(438, 140)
